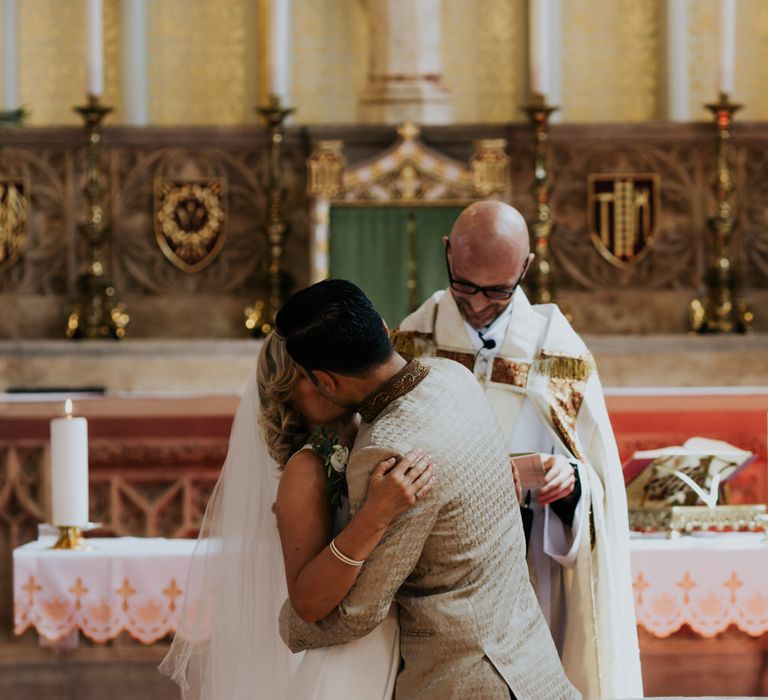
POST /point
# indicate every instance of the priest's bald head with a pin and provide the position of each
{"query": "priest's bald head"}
(488, 253)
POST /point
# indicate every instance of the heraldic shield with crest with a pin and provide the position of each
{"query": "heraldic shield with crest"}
(623, 213)
(190, 221)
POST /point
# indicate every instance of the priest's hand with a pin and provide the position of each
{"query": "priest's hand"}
(559, 479)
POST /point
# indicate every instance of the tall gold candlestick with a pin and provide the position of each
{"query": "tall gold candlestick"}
(719, 311)
(96, 313)
(260, 318)
(542, 226)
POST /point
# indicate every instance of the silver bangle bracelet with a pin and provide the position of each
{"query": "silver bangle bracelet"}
(343, 557)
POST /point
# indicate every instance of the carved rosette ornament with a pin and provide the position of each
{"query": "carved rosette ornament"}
(14, 215)
(190, 221)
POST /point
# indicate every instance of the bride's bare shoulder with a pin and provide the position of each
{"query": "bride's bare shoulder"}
(302, 483)
(306, 458)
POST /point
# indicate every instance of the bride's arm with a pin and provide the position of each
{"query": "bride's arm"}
(317, 580)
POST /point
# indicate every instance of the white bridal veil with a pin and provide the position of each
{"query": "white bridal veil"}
(227, 645)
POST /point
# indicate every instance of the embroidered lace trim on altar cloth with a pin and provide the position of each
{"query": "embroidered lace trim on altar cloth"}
(126, 584)
(708, 582)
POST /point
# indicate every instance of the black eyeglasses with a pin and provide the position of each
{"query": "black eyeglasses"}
(470, 289)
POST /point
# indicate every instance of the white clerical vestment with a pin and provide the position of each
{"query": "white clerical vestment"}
(542, 383)
(552, 545)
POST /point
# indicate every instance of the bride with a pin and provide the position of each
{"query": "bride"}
(268, 534)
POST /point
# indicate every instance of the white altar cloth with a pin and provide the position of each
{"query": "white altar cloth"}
(136, 585)
(129, 584)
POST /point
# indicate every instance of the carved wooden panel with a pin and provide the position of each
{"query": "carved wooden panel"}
(163, 301)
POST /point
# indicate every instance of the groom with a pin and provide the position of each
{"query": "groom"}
(470, 624)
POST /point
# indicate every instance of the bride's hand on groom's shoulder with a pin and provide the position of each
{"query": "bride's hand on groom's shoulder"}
(395, 486)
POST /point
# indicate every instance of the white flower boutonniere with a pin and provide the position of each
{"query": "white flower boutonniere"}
(335, 457)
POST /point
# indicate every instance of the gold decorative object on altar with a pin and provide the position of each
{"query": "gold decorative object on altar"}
(720, 311)
(666, 489)
(260, 323)
(325, 169)
(14, 216)
(71, 538)
(96, 313)
(679, 520)
(623, 215)
(490, 167)
(190, 221)
(542, 226)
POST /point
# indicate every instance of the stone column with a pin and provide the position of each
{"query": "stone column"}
(406, 64)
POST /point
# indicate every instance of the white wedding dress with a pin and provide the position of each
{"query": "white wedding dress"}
(227, 644)
(365, 668)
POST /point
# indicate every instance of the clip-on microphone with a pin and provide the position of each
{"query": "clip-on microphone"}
(488, 343)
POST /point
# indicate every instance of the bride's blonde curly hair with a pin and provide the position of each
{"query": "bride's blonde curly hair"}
(285, 430)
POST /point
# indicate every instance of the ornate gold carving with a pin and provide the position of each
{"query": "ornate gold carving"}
(408, 173)
(190, 221)
(490, 167)
(14, 214)
(326, 170)
(623, 213)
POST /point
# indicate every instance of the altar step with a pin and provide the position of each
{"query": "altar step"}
(116, 671)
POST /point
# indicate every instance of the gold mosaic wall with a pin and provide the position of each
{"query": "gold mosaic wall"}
(610, 67)
(205, 55)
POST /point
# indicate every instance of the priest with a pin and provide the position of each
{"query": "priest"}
(542, 383)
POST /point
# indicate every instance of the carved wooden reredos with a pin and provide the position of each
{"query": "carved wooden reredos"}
(408, 173)
(652, 296)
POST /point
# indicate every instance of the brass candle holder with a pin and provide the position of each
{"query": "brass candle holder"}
(542, 226)
(96, 313)
(71, 537)
(260, 317)
(719, 311)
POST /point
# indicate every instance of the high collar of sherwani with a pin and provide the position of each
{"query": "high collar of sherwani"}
(399, 384)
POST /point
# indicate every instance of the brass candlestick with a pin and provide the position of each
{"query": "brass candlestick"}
(542, 226)
(260, 318)
(718, 311)
(70, 537)
(96, 314)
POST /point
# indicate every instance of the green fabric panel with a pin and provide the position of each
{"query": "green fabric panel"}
(369, 246)
(431, 224)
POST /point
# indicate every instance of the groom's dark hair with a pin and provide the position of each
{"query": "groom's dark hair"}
(333, 326)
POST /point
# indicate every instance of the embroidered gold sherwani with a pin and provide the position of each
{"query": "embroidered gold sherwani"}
(470, 624)
(542, 360)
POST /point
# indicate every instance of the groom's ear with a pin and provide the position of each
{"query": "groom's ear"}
(325, 382)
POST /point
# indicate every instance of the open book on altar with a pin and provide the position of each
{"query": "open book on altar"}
(687, 475)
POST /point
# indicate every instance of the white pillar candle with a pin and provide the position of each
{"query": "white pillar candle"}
(278, 48)
(135, 62)
(69, 469)
(678, 79)
(539, 23)
(95, 49)
(727, 67)
(10, 56)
